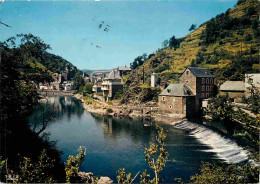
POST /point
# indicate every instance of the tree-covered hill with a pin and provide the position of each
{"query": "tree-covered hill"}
(228, 44)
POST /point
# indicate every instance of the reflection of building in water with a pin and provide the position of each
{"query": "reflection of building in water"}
(106, 124)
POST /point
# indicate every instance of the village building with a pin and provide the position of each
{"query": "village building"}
(111, 85)
(252, 80)
(174, 99)
(124, 70)
(196, 85)
(234, 89)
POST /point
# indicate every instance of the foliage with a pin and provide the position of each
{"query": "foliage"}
(109, 110)
(57, 64)
(138, 61)
(218, 27)
(36, 172)
(221, 108)
(72, 165)
(253, 100)
(100, 93)
(17, 77)
(87, 89)
(87, 100)
(78, 81)
(240, 1)
(145, 178)
(156, 156)
(214, 173)
(173, 42)
(165, 43)
(192, 27)
(123, 178)
(245, 118)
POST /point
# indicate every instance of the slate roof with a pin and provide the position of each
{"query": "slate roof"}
(176, 90)
(114, 75)
(125, 68)
(200, 72)
(233, 86)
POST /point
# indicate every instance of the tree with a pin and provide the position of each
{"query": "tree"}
(78, 81)
(173, 42)
(156, 156)
(87, 89)
(192, 27)
(165, 43)
(138, 61)
(221, 108)
(72, 166)
(36, 172)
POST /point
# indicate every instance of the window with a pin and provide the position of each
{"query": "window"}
(163, 99)
(187, 72)
(207, 80)
(170, 107)
(211, 88)
(202, 95)
(203, 88)
(203, 81)
(207, 95)
(211, 81)
(207, 88)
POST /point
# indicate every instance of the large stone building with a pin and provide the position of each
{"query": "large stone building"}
(196, 84)
(111, 85)
(175, 99)
(234, 89)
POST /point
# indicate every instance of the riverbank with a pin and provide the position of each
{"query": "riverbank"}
(56, 93)
(147, 110)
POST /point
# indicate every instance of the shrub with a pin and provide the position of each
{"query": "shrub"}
(109, 110)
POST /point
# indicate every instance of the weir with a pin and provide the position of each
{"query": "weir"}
(225, 148)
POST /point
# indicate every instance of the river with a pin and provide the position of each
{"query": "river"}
(112, 143)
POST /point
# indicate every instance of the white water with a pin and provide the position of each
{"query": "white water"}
(226, 149)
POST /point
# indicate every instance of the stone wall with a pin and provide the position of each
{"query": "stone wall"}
(237, 96)
(176, 105)
(189, 80)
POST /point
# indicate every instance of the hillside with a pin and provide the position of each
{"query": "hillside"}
(228, 44)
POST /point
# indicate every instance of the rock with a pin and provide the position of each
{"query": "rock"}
(104, 179)
(86, 177)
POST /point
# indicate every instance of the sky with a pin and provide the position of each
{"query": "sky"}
(135, 27)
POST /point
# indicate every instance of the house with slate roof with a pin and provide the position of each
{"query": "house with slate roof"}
(234, 89)
(111, 84)
(196, 85)
(124, 70)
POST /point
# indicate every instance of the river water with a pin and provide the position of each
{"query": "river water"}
(113, 143)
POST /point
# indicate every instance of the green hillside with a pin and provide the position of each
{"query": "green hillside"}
(228, 44)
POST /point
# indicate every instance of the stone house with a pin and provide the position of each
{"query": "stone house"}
(234, 89)
(201, 83)
(111, 85)
(123, 70)
(175, 99)
(197, 84)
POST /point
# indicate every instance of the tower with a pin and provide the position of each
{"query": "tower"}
(154, 80)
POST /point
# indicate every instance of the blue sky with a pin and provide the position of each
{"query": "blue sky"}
(136, 27)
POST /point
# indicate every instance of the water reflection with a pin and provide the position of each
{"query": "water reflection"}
(114, 142)
(58, 108)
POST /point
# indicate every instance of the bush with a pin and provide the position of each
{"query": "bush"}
(100, 93)
(219, 173)
(109, 110)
